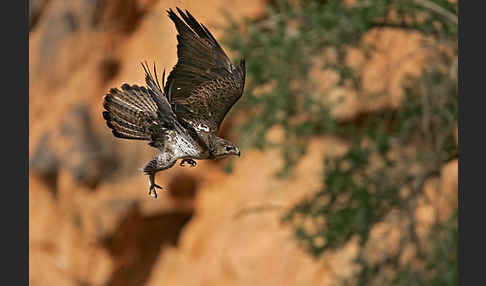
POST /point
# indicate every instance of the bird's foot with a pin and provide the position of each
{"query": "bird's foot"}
(153, 191)
(153, 185)
(191, 162)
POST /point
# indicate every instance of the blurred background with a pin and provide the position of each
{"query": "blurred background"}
(348, 131)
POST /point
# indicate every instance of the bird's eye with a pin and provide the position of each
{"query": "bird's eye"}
(229, 148)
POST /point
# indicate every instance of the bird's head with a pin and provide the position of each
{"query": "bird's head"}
(223, 147)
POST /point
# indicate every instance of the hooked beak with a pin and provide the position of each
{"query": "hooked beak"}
(238, 153)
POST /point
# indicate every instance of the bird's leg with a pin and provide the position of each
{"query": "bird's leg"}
(152, 167)
(191, 162)
(158, 163)
(153, 185)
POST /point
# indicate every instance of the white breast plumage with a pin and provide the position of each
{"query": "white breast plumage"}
(184, 147)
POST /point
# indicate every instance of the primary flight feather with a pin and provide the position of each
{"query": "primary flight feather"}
(182, 116)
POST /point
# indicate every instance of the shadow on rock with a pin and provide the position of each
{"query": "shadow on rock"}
(75, 146)
(137, 242)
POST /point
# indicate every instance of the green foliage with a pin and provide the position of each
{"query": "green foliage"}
(441, 269)
(283, 47)
(393, 152)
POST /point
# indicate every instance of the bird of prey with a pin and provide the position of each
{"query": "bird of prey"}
(181, 118)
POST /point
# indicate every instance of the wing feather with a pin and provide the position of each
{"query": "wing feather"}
(141, 113)
(204, 84)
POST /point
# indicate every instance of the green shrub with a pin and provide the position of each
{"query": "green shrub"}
(391, 150)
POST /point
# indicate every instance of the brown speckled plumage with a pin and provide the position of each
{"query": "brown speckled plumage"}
(182, 117)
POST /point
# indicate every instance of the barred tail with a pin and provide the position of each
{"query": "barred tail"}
(130, 112)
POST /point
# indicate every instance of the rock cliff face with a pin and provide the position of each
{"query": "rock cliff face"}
(91, 221)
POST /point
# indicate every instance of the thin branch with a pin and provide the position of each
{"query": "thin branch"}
(257, 209)
(427, 4)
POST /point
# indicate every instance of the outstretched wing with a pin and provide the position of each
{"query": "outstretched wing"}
(137, 112)
(204, 84)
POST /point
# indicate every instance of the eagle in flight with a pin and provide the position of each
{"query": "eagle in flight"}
(181, 118)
